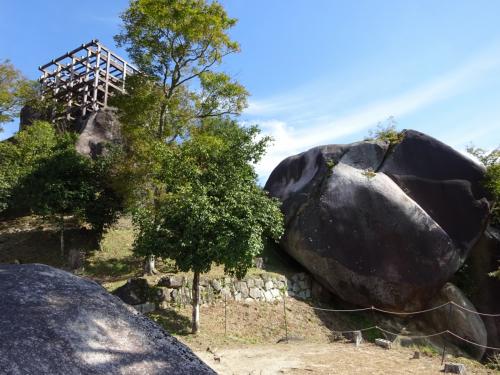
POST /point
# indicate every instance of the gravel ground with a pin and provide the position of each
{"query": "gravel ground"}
(318, 358)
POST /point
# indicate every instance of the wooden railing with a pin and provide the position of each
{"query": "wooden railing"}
(84, 78)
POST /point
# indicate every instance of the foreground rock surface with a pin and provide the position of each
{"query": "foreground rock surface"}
(378, 224)
(52, 322)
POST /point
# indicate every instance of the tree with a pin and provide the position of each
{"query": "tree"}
(211, 209)
(177, 45)
(41, 172)
(62, 185)
(491, 161)
(21, 156)
(13, 90)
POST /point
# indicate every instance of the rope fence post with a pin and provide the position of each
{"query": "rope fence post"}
(284, 315)
(448, 327)
(225, 314)
(373, 315)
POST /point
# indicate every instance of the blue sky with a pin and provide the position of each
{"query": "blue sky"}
(320, 71)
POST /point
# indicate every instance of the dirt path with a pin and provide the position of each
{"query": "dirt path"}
(334, 358)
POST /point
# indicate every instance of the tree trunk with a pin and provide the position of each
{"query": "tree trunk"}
(149, 266)
(196, 303)
(61, 223)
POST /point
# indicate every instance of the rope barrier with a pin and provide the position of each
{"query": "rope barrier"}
(373, 308)
(411, 336)
(472, 311)
(413, 312)
(356, 330)
(333, 310)
(419, 336)
(472, 342)
(405, 313)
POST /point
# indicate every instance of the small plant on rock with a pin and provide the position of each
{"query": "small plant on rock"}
(369, 173)
(386, 131)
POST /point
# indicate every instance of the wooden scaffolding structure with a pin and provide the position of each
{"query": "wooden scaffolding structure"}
(84, 79)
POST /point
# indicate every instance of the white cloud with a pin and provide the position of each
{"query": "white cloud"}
(292, 136)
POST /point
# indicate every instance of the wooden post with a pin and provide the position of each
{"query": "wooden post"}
(225, 314)
(108, 63)
(95, 106)
(85, 79)
(284, 315)
(124, 75)
(196, 303)
(448, 325)
(71, 85)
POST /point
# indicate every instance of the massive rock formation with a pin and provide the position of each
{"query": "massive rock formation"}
(379, 224)
(52, 322)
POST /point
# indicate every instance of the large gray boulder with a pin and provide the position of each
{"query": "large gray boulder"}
(379, 224)
(52, 322)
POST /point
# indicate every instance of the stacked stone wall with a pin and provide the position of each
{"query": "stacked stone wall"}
(266, 287)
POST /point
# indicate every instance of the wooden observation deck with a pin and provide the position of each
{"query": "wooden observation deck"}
(83, 79)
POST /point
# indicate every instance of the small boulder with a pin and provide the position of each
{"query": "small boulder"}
(135, 292)
(216, 285)
(171, 281)
(455, 368)
(386, 344)
(459, 321)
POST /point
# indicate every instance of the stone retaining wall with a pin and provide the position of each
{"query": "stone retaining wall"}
(265, 288)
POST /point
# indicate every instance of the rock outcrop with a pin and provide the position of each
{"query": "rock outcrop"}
(52, 322)
(381, 224)
(96, 131)
(135, 292)
(462, 322)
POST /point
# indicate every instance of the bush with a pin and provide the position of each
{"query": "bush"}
(387, 132)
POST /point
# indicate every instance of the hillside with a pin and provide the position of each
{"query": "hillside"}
(253, 329)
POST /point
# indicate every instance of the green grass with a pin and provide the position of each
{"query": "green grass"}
(427, 350)
(115, 260)
(172, 321)
(358, 320)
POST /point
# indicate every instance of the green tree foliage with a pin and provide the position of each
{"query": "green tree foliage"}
(13, 89)
(178, 45)
(23, 154)
(62, 185)
(491, 160)
(210, 209)
(41, 172)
